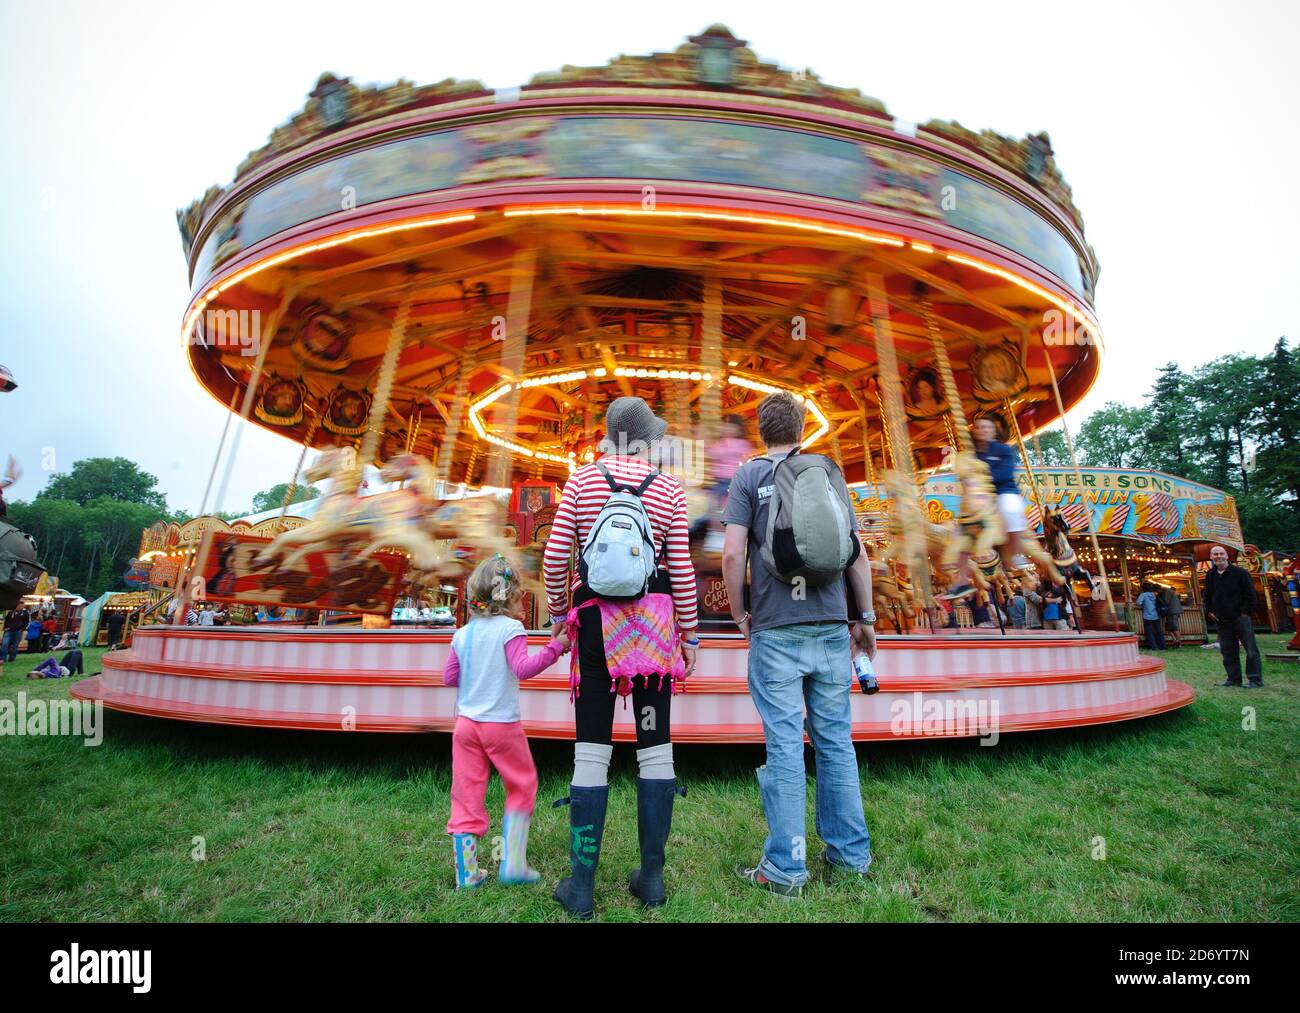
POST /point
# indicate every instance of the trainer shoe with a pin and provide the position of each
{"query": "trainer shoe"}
(1228, 682)
(783, 890)
(961, 591)
(866, 872)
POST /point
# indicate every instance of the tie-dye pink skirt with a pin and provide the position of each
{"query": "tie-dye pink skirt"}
(640, 639)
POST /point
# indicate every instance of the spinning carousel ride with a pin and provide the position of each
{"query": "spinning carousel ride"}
(451, 283)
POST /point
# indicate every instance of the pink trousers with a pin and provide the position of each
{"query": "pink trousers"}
(477, 747)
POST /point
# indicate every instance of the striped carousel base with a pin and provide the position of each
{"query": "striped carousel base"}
(389, 681)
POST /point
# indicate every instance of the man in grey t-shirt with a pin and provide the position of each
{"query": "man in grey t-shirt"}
(800, 653)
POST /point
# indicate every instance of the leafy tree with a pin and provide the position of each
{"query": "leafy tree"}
(56, 526)
(273, 498)
(87, 548)
(113, 478)
(1277, 464)
(1050, 446)
(1268, 523)
(112, 534)
(1107, 438)
(1227, 392)
(1171, 410)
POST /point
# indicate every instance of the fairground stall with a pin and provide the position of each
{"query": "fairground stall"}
(127, 607)
(49, 601)
(451, 283)
(1151, 528)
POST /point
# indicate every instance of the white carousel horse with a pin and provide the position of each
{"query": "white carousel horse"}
(443, 538)
(334, 518)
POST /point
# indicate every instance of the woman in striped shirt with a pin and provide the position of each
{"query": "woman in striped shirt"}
(604, 630)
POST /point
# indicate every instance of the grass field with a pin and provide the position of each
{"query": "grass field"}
(1201, 821)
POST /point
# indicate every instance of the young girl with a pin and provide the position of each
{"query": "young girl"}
(489, 655)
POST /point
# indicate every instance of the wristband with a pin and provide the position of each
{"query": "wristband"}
(691, 643)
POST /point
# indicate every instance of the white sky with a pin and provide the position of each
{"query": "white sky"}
(1175, 123)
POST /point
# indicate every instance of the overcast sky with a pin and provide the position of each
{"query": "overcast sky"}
(1175, 123)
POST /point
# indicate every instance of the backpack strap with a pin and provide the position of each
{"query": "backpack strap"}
(623, 487)
(645, 484)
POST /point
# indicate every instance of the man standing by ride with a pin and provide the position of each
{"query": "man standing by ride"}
(15, 629)
(1230, 602)
(800, 649)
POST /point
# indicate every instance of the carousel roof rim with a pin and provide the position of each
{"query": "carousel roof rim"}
(714, 70)
(248, 183)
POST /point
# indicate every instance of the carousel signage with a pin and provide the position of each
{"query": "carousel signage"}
(1149, 506)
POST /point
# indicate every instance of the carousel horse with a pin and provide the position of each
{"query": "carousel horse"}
(444, 538)
(1055, 532)
(891, 594)
(914, 540)
(334, 517)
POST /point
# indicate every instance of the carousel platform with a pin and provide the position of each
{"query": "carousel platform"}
(963, 684)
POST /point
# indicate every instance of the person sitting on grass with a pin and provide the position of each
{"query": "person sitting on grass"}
(48, 669)
(488, 660)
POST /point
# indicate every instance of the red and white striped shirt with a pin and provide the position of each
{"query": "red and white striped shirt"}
(580, 503)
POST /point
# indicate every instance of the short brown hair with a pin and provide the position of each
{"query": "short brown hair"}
(780, 419)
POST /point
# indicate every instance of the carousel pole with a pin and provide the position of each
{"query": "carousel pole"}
(518, 314)
(711, 360)
(894, 417)
(455, 416)
(250, 394)
(234, 396)
(1013, 424)
(1078, 474)
(958, 428)
(293, 482)
(369, 448)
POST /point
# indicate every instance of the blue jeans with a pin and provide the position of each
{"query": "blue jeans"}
(790, 668)
(9, 645)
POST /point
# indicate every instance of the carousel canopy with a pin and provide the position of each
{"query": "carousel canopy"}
(696, 227)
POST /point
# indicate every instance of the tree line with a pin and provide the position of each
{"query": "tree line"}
(1232, 423)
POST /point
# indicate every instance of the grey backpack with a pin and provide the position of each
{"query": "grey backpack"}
(811, 532)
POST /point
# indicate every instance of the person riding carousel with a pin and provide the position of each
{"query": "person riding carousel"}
(630, 613)
(1001, 460)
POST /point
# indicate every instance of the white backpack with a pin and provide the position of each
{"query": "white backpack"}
(618, 555)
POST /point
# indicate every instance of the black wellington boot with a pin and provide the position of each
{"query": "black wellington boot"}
(586, 828)
(654, 818)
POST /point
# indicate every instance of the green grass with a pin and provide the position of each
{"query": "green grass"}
(1201, 820)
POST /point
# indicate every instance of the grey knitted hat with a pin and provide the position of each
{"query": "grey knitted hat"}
(629, 421)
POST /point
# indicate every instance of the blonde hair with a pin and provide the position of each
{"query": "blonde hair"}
(492, 586)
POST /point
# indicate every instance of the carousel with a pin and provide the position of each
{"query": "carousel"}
(448, 284)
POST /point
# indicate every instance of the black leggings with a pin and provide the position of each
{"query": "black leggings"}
(593, 710)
